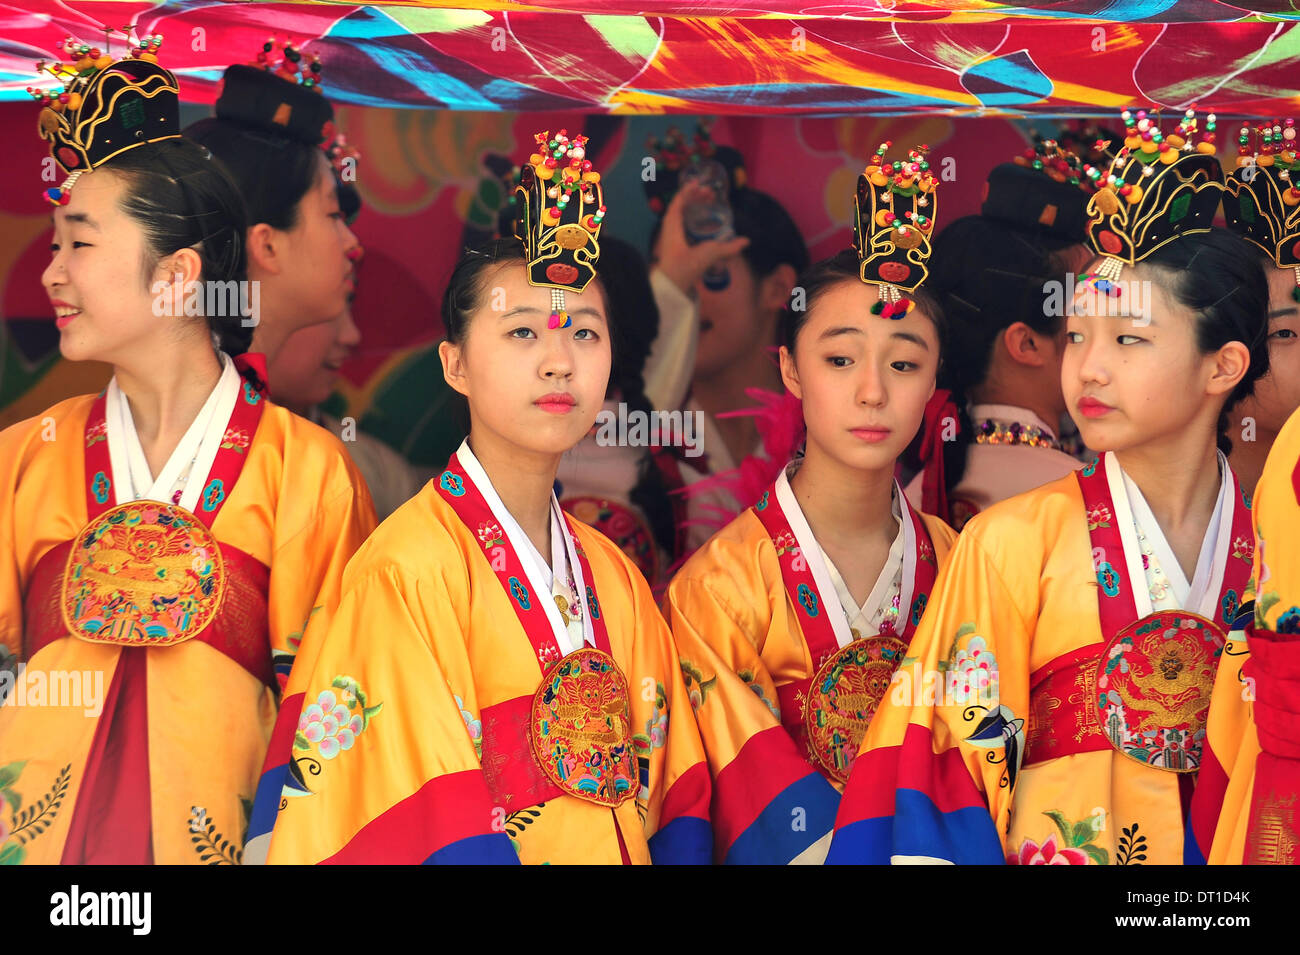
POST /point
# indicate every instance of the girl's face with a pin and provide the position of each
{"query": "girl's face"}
(539, 389)
(320, 275)
(1135, 378)
(1277, 394)
(103, 303)
(864, 380)
(306, 369)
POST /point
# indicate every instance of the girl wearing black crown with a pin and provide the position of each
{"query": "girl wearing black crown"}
(156, 545)
(1262, 204)
(517, 694)
(1052, 706)
(791, 619)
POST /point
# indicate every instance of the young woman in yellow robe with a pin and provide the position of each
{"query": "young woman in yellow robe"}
(497, 684)
(162, 544)
(791, 619)
(1051, 709)
(1246, 805)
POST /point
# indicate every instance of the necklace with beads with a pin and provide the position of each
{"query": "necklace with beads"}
(990, 431)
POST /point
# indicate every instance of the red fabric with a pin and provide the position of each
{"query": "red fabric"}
(514, 779)
(1274, 665)
(240, 629)
(934, 489)
(111, 823)
(444, 810)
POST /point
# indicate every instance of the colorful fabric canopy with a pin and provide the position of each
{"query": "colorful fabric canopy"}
(954, 57)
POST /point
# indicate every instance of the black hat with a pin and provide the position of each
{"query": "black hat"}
(1044, 189)
(105, 108)
(271, 102)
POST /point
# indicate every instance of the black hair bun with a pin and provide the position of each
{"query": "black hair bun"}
(269, 102)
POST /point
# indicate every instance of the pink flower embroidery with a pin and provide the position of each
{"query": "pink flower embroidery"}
(1245, 549)
(1031, 853)
(1098, 516)
(329, 724)
(489, 534)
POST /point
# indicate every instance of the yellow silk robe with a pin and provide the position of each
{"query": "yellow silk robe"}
(428, 661)
(938, 776)
(298, 508)
(740, 639)
(1235, 815)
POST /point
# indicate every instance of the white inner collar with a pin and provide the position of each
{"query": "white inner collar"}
(1134, 517)
(901, 562)
(542, 576)
(190, 461)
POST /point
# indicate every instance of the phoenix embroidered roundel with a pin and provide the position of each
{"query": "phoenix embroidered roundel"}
(581, 729)
(142, 574)
(844, 695)
(1153, 689)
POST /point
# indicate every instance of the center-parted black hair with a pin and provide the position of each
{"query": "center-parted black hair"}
(1221, 278)
(183, 199)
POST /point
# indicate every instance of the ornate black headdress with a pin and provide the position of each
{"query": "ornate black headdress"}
(559, 209)
(894, 209)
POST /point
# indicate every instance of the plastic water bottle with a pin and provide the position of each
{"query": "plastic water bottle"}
(709, 219)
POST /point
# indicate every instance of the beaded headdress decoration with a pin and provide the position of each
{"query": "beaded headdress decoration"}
(1261, 200)
(894, 210)
(104, 107)
(1155, 189)
(278, 93)
(1043, 189)
(558, 213)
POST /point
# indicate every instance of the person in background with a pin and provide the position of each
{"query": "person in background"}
(306, 372)
(736, 336)
(1001, 278)
(271, 119)
(1256, 207)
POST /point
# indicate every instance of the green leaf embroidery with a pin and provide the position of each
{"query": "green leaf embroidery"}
(9, 774)
(1265, 603)
(300, 741)
(11, 797)
(1062, 824)
(368, 713)
(11, 853)
(1098, 854)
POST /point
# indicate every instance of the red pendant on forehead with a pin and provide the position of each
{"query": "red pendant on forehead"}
(1109, 241)
(894, 271)
(562, 273)
(69, 158)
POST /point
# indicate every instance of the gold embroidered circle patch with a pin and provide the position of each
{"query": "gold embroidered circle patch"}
(844, 695)
(142, 574)
(1154, 681)
(581, 729)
